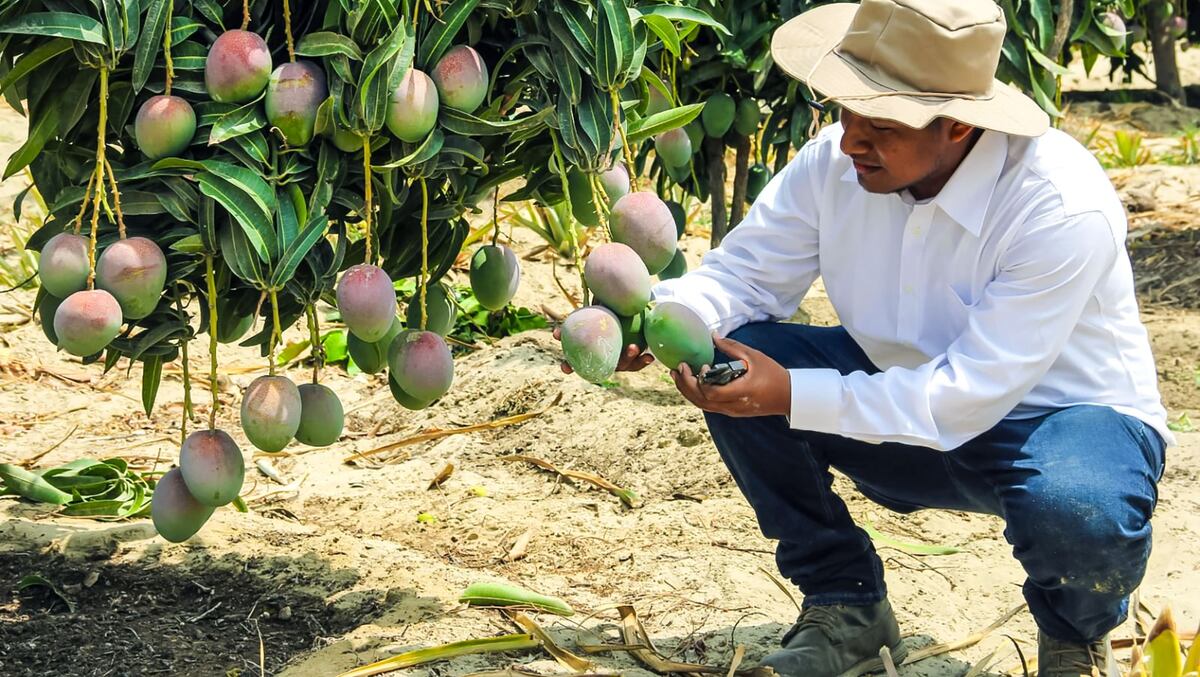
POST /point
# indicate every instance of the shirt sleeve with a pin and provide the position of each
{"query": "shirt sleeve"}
(765, 266)
(1014, 334)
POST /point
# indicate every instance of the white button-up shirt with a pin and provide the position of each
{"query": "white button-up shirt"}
(1008, 294)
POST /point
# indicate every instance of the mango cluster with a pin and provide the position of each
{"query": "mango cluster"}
(645, 232)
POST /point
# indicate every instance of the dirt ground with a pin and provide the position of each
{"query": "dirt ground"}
(332, 569)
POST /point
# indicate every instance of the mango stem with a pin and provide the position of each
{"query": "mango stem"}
(367, 196)
(99, 181)
(112, 181)
(276, 333)
(633, 179)
(212, 340)
(167, 49)
(287, 28)
(424, 251)
(318, 349)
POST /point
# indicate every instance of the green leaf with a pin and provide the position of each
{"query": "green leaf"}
(30, 61)
(643, 129)
(255, 222)
(211, 9)
(580, 24)
(192, 244)
(44, 126)
(113, 25)
(151, 378)
(687, 15)
(29, 485)
(458, 122)
(39, 581)
(287, 219)
(235, 248)
(243, 120)
(468, 148)
(1043, 14)
(666, 31)
(298, 249)
(614, 43)
(326, 43)
(1043, 60)
(910, 548)
(148, 47)
(429, 148)
(377, 58)
(57, 24)
(441, 36)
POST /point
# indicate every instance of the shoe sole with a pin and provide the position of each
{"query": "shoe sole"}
(866, 667)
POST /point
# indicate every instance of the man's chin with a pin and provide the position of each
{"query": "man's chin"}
(873, 184)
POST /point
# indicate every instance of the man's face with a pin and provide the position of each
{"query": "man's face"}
(890, 157)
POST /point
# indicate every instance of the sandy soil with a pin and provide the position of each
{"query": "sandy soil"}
(333, 569)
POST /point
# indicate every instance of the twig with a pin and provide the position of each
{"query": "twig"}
(205, 614)
(28, 463)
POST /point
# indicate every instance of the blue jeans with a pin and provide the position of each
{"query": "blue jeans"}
(1076, 489)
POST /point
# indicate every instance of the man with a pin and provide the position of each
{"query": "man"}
(991, 357)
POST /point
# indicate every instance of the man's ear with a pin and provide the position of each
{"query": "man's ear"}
(957, 131)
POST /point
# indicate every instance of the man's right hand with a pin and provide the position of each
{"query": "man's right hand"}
(632, 358)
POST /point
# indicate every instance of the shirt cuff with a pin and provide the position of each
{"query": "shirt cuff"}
(816, 400)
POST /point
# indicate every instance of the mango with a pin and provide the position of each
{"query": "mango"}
(176, 514)
(238, 67)
(413, 112)
(618, 278)
(134, 271)
(421, 364)
(680, 215)
(367, 301)
(1178, 27)
(583, 207)
(371, 357)
(675, 334)
(1116, 23)
(404, 399)
(747, 117)
(212, 467)
(87, 321)
(695, 132)
(644, 222)
(294, 93)
(676, 268)
(461, 78)
(347, 141)
(632, 333)
(63, 264)
(164, 126)
(232, 327)
(615, 182)
(321, 416)
(592, 342)
(440, 311)
(270, 412)
(495, 276)
(674, 148)
(47, 307)
(760, 175)
(656, 102)
(717, 116)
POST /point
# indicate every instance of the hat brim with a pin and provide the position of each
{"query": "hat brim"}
(804, 48)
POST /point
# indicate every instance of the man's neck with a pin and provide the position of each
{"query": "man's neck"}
(933, 184)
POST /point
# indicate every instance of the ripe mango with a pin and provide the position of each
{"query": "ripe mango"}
(413, 112)
(87, 321)
(421, 364)
(294, 93)
(176, 514)
(367, 301)
(164, 126)
(63, 264)
(212, 467)
(674, 148)
(461, 78)
(134, 271)
(618, 278)
(238, 67)
(644, 222)
(270, 412)
(592, 342)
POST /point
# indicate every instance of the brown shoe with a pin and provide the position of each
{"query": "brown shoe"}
(1057, 658)
(838, 641)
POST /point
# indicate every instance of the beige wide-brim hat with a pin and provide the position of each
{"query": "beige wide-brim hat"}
(909, 61)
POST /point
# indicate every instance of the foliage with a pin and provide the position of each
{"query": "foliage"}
(1124, 149)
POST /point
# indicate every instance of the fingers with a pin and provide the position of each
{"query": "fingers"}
(737, 351)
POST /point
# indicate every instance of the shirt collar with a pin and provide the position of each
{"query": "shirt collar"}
(966, 196)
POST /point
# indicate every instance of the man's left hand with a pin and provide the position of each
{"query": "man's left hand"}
(764, 390)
